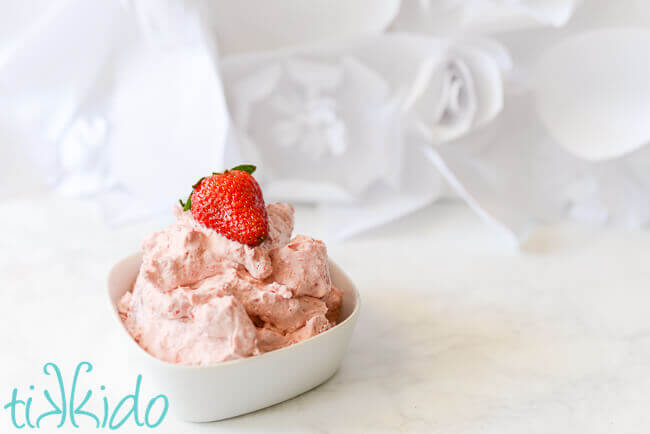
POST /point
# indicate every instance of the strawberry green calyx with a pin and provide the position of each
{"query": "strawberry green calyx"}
(187, 205)
(248, 168)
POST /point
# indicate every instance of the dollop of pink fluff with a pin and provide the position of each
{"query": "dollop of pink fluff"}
(301, 265)
(201, 298)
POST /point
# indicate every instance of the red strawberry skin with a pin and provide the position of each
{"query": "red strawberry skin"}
(232, 204)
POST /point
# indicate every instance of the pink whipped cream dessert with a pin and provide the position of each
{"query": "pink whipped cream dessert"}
(201, 298)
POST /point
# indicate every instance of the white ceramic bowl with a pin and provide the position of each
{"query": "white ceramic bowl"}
(227, 389)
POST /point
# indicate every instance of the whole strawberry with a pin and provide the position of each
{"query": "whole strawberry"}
(231, 203)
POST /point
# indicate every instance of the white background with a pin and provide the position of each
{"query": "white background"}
(459, 331)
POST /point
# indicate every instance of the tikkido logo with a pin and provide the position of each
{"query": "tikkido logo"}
(60, 407)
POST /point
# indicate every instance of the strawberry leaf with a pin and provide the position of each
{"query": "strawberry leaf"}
(196, 184)
(248, 168)
(187, 205)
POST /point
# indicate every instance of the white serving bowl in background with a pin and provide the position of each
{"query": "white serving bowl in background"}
(227, 389)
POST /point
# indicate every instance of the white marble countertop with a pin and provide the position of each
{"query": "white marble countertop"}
(457, 334)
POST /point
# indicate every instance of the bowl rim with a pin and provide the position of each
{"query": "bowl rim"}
(179, 366)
